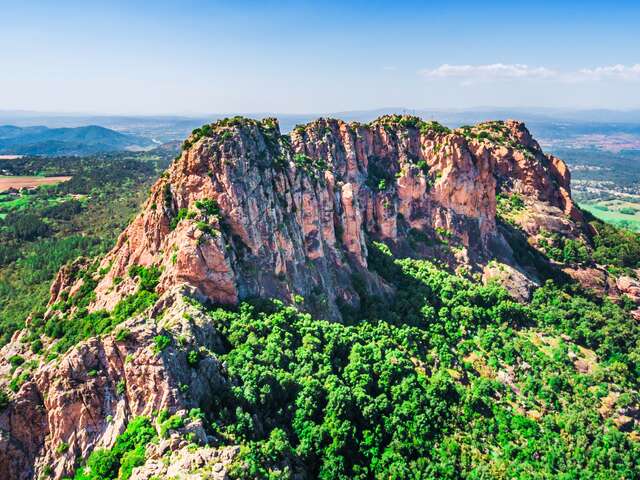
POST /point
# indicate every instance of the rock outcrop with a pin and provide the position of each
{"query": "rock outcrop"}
(86, 399)
(247, 212)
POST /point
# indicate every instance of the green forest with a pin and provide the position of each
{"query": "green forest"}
(452, 379)
(42, 230)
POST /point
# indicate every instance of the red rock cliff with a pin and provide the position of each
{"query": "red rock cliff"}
(248, 212)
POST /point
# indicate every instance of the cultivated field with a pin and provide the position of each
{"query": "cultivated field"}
(622, 211)
(7, 182)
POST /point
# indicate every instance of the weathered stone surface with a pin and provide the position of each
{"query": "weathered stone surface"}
(187, 464)
(67, 281)
(86, 398)
(595, 279)
(630, 287)
(519, 284)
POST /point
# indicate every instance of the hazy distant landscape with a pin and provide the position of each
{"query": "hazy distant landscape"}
(609, 130)
(82, 140)
(602, 147)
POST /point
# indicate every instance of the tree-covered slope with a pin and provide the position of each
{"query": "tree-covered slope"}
(452, 379)
(42, 230)
(455, 380)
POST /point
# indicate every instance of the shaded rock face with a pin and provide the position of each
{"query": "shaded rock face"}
(87, 398)
(292, 215)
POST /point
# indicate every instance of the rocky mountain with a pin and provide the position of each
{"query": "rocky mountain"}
(39, 140)
(247, 213)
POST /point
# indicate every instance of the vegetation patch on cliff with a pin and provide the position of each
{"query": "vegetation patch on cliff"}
(127, 453)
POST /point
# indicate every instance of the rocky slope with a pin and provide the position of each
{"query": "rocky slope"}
(247, 212)
(84, 400)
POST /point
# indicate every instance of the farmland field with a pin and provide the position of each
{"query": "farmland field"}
(18, 182)
(605, 184)
(622, 212)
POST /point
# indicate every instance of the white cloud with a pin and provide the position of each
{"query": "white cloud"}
(488, 72)
(623, 72)
(469, 74)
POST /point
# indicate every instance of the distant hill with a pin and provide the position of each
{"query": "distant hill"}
(40, 140)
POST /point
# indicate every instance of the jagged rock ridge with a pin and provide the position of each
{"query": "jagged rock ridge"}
(247, 212)
(84, 400)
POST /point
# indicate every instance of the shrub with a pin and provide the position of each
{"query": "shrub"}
(193, 358)
(196, 414)
(62, 448)
(208, 207)
(36, 346)
(574, 251)
(172, 423)
(207, 229)
(4, 399)
(122, 335)
(130, 460)
(148, 276)
(509, 203)
(423, 166)
(17, 382)
(102, 464)
(132, 305)
(121, 387)
(127, 453)
(160, 342)
(426, 127)
(181, 215)
(16, 360)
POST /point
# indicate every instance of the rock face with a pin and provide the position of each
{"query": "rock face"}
(87, 398)
(202, 463)
(247, 212)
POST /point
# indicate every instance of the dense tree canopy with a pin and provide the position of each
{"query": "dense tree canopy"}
(453, 380)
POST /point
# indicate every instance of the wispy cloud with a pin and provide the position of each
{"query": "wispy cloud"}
(623, 72)
(469, 74)
(490, 71)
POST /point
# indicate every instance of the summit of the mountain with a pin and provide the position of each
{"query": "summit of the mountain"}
(247, 212)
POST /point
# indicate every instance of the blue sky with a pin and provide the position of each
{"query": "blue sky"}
(144, 57)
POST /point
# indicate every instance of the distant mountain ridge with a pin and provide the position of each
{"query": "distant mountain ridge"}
(41, 140)
(543, 122)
